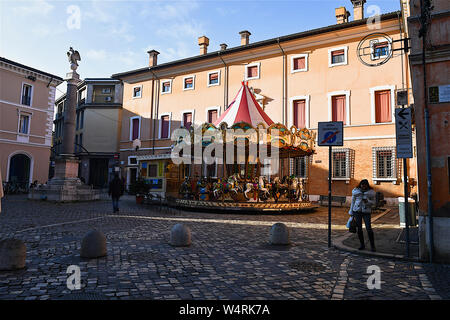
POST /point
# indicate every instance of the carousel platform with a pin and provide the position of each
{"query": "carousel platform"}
(241, 207)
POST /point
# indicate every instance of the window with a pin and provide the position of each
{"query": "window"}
(188, 83)
(299, 113)
(106, 90)
(252, 71)
(165, 125)
(77, 147)
(299, 63)
(212, 116)
(187, 120)
(78, 121)
(153, 170)
(339, 165)
(135, 129)
(24, 124)
(383, 111)
(81, 119)
(27, 93)
(384, 164)
(132, 161)
(342, 159)
(337, 56)
(81, 141)
(299, 166)
(379, 49)
(81, 96)
(166, 87)
(137, 92)
(213, 78)
(338, 106)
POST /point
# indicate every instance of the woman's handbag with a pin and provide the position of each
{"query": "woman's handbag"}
(352, 227)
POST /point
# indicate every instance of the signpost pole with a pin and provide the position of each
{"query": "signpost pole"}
(404, 150)
(330, 166)
(405, 184)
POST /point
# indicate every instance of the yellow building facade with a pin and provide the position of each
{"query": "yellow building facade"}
(316, 73)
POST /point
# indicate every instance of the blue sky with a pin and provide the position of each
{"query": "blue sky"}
(115, 35)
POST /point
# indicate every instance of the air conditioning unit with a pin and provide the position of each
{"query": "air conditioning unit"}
(108, 99)
(106, 90)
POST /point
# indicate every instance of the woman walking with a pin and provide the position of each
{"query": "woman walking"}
(363, 198)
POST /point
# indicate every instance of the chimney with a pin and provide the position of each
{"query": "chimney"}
(152, 58)
(245, 37)
(342, 15)
(203, 42)
(223, 46)
(358, 9)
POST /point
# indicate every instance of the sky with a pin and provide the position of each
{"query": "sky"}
(114, 35)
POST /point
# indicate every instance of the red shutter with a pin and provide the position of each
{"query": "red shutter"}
(383, 106)
(252, 72)
(299, 114)
(164, 127)
(337, 53)
(135, 129)
(212, 116)
(187, 120)
(213, 76)
(338, 108)
(299, 63)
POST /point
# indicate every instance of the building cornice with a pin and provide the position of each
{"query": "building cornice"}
(29, 71)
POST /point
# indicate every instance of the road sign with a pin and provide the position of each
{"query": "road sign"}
(331, 133)
(403, 132)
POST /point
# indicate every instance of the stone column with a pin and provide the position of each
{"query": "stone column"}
(73, 78)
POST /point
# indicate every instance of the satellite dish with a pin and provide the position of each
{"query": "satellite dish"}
(375, 49)
(136, 144)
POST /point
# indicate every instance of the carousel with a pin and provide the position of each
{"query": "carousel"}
(246, 180)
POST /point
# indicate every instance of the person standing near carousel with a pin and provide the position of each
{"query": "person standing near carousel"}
(363, 199)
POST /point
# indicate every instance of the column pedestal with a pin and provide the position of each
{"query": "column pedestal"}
(65, 185)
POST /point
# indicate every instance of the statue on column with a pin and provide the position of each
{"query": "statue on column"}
(73, 56)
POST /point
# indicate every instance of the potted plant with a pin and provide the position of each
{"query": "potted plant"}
(140, 188)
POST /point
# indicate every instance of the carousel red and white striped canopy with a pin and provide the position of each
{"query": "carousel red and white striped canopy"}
(244, 108)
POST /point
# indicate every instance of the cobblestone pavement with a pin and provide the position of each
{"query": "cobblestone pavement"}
(229, 258)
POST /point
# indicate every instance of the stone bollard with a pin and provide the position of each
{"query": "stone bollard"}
(93, 245)
(279, 234)
(180, 235)
(13, 253)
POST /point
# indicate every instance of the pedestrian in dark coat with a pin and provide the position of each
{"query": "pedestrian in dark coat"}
(116, 191)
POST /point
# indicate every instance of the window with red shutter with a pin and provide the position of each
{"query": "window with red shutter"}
(164, 127)
(252, 72)
(188, 83)
(338, 108)
(299, 63)
(337, 56)
(187, 120)
(135, 129)
(383, 106)
(214, 78)
(212, 116)
(299, 113)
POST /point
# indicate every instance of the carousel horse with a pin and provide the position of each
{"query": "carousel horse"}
(263, 188)
(294, 188)
(218, 190)
(279, 187)
(233, 186)
(303, 193)
(251, 187)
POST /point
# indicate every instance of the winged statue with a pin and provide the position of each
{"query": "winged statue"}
(73, 56)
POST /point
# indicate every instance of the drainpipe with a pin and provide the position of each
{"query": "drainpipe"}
(423, 33)
(225, 89)
(284, 83)
(156, 107)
